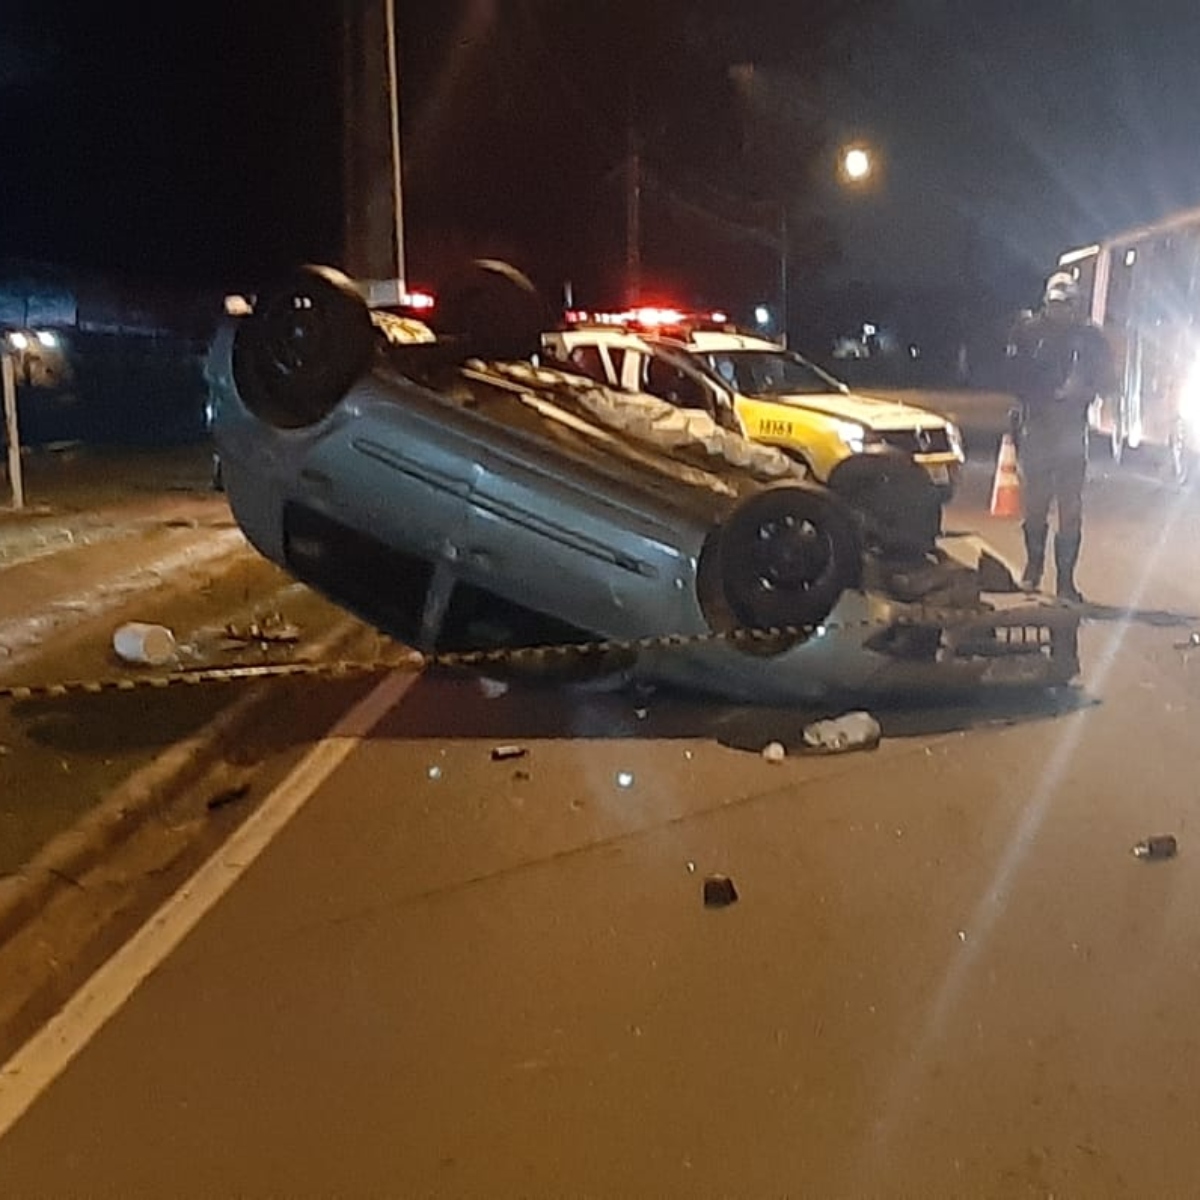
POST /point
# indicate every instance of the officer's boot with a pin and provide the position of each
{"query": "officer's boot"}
(1035, 557)
(1066, 555)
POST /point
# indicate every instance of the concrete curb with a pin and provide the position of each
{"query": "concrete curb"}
(70, 854)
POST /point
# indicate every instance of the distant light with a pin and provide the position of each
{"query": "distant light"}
(856, 163)
(870, 330)
(419, 300)
(720, 317)
(237, 306)
(914, 352)
(47, 339)
(762, 314)
(1130, 257)
(19, 340)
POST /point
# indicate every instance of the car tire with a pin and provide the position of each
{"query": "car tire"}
(303, 346)
(786, 555)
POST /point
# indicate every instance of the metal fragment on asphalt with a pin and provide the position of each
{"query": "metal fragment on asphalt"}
(1156, 848)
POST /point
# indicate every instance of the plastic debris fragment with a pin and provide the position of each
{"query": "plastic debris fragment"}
(851, 731)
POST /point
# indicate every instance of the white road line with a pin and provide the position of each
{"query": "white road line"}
(50, 1051)
(22, 633)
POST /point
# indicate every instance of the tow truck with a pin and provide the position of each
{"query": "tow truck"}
(772, 394)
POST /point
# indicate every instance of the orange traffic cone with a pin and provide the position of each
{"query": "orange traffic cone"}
(1006, 489)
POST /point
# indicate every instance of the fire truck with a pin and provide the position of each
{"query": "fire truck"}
(1142, 287)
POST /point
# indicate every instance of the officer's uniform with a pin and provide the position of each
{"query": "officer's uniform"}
(1061, 364)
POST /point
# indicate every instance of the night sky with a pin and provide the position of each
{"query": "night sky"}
(200, 143)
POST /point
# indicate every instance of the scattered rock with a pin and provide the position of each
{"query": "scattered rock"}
(774, 752)
(229, 796)
(719, 892)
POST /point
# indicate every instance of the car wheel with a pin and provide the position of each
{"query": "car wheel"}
(786, 555)
(296, 355)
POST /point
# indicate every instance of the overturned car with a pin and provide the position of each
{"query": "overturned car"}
(467, 501)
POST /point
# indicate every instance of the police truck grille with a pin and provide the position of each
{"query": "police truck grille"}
(917, 441)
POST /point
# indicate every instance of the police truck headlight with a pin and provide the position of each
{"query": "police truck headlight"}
(852, 434)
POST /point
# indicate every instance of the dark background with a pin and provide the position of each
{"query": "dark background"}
(201, 145)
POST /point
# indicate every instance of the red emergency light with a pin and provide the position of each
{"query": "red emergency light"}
(650, 317)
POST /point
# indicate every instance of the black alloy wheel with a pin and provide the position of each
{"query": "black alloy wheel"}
(786, 556)
(298, 353)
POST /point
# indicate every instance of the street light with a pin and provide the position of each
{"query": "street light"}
(857, 164)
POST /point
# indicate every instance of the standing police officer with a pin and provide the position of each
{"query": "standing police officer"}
(1061, 363)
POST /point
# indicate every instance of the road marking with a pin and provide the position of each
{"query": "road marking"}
(50, 1051)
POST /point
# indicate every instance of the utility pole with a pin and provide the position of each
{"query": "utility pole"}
(783, 273)
(372, 176)
(12, 437)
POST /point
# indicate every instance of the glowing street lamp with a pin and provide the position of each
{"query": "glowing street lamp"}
(856, 163)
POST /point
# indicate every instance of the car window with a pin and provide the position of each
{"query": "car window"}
(770, 373)
(671, 382)
(587, 361)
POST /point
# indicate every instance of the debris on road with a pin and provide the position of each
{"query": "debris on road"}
(435, 772)
(492, 689)
(851, 731)
(273, 628)
(228, 796)
(1153, 849)
(719, 892)
(774, 752)
(504, 753)
(144, 644)
(624, 779)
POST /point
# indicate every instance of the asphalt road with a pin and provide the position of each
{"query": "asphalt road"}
(419, 971)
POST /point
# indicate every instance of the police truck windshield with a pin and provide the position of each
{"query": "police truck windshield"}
(757, 373)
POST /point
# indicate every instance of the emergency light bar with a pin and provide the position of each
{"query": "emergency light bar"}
(648, 317)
